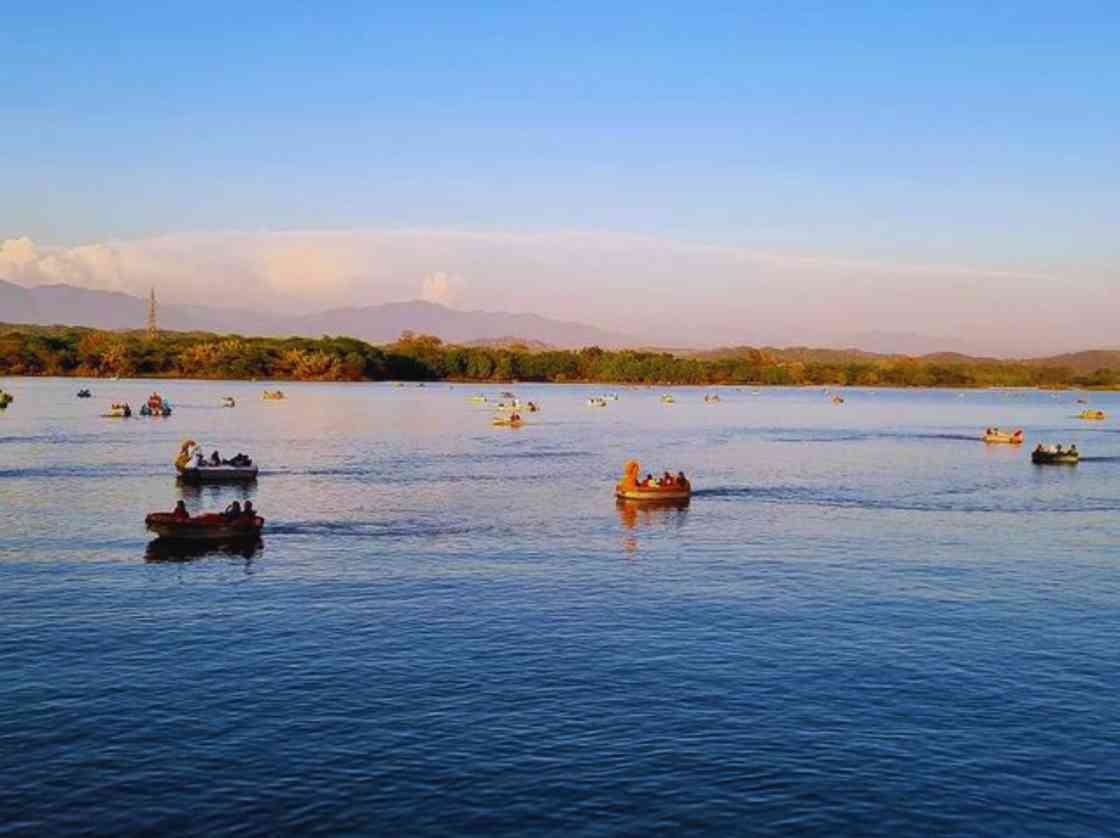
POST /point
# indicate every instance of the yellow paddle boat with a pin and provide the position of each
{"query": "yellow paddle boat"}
(1093, 415)
(273, 395)
(1008, 438)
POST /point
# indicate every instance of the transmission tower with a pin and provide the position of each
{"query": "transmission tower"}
(153, 329)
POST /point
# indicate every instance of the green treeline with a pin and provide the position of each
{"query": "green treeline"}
(75, 351)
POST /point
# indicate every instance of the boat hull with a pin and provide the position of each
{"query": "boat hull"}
(1044, 459)
(653, 494)
(218, 474)
(1003, 439)
(208, 529)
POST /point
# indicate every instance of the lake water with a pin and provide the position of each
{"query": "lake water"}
(865, 622)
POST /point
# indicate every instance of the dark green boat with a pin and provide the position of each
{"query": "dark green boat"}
(1056, 456)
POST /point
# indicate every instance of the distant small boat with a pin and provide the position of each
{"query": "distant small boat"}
(513, 420)
(1092, 415)
(712, 399)
(273, 395)
(596, 401)
(996, 435)
(227, 401)
(667, 398)
(84, 394)
(837, 399)
(118, 410)
(6, 399)
(1055, 455)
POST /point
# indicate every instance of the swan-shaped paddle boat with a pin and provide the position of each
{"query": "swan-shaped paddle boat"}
(238, 470)
(631, 487)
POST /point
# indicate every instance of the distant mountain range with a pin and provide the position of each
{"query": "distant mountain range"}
(70, 305)
(67, 304)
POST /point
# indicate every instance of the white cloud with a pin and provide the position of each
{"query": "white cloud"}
(441, 288)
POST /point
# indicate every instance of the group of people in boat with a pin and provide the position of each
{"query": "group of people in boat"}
(665, 481)
(239, 461)
(234, 512)
(1056, 449)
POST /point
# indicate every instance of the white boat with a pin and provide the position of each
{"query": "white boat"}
(192, 470)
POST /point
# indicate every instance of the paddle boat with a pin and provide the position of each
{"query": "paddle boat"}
(837, 399)
(155, 406)
(1093, 415)
(596, 401)
(227, 401)
(6, 399)
(512, 420)
(238, 470)
(712, 399)
(118, 410)
(273, 395)
(1009, 438)
(209, 528)
(479, 399)
(667, 398)
(631, 487)
(1055, 455)
(84, 394)
(532, 407)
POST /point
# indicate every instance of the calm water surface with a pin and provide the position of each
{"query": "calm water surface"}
(865, 622)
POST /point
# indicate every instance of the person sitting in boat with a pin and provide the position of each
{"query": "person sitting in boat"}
(127, 411)
(666, 479)
(180, 512)
(648, 481)
(1073, 449)
(215, 459)
(248, 512)
(681, 480)
(233, 511)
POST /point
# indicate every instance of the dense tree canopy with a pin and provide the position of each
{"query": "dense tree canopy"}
(74, 351)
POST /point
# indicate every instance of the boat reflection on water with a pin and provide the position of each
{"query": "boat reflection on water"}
(215, 494)
(649, 514)
(169, 550)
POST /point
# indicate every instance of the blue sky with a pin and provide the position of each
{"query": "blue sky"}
(978, 134)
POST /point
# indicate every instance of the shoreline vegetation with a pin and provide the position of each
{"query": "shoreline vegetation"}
(74, 351)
